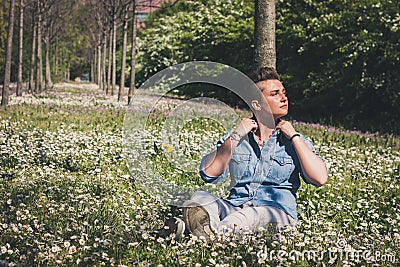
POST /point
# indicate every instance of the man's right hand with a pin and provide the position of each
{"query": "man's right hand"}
(246, 125)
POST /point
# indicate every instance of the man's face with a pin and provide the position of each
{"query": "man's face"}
(275, 94)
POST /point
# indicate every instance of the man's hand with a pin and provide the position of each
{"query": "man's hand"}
(286, 128)
(246, 125)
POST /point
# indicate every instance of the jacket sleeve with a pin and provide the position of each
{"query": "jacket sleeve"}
(213, 179)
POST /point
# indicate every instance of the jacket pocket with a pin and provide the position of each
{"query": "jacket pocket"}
(280, 169)
(239, 166)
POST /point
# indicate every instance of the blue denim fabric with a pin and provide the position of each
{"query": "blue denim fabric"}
(266, 177)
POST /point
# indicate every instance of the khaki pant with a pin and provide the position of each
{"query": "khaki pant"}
(224, 216)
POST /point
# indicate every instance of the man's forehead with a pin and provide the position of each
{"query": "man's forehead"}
(270, 85)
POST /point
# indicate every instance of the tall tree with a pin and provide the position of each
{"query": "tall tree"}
(264, 33)
(99, 61)
(133, 54)
(7, 69)
(93, 62)
(109, 65)
(47, 32)
(103, 81)
(99, 31)
(114, 8)
(114, 53)
(33, 50)
(39, 57)
(53, 24)
(126, 10)
(4, 10)
(21, 46)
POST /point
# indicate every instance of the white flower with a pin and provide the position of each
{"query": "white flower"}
(66, 244)
(72, 250)
(55, 249)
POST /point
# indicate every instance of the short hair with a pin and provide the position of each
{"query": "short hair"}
(263, 74)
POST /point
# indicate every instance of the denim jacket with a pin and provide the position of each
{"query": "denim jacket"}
(265, 177)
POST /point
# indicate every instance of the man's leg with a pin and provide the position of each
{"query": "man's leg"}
(252, 218)
(204, 212)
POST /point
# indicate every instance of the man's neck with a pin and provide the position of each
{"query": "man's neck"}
(264, 132)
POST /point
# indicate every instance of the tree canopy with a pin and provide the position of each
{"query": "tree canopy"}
(197, 30)
(339, 59)
(344, 58)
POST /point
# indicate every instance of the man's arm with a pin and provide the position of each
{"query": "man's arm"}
(313, 167)
(217, 162)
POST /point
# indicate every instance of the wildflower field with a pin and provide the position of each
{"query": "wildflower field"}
(67, 197)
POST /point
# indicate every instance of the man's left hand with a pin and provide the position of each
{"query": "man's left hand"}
(286, 128)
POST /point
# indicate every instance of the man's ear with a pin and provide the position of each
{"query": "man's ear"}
(255, 105)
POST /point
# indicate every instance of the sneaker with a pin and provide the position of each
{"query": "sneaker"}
(173, 226)
(197, 221)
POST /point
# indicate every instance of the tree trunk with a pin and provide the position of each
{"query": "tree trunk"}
(93, 67)
(68, 72)
(103, 67)
(92, 64)
(21, 47)
(7, 70)
(133, 55)
(98, 67)
(39, 67)
(33, 56)
(264, 33)
(109, 65)
(56, 59)
(48, 82)
(62, 64)
(125, 34)
(114, 53)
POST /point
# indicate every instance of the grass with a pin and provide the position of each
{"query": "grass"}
(68, 198)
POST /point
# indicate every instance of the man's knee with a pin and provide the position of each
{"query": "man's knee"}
(203, 198)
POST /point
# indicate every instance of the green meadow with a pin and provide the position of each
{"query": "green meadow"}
(67, 197)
